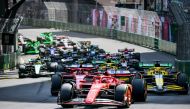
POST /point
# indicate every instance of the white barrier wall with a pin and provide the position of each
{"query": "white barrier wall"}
(140, 22)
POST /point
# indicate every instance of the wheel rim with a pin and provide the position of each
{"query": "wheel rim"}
(128, 97)
(145, 89)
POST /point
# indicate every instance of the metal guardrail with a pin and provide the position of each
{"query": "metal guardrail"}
(9, 61)
(144, 41)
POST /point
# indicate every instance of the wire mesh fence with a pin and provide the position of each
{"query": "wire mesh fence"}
(9, 25)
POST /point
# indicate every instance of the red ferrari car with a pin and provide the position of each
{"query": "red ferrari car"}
(73, 74)
(100, 90)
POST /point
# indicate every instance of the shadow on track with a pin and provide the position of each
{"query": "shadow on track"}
(92, 107)
(38, 92)
(168, 98)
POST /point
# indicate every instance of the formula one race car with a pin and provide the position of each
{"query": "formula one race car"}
(84, 44)
(73, 73)
(160, 78)
(59, 38)
(130, 54)
(103, 63)
(22, 42)
(32, 47)
(45, 38)
(133, 77)
(101, 90)
(105, 66)
(34, 68)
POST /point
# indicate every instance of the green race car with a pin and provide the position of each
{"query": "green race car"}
(31, 47)
(45, 38)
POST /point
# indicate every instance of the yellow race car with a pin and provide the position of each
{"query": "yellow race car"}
(161, 78)
(106, 64)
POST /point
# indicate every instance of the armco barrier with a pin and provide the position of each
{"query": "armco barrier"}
(144, 41)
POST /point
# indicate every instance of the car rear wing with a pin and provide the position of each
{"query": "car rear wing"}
(60, 37)
(128, 50)
(85, 42)
(33, 43)
(80, 66)
(118, 71)
(94, 46)
(149, 65)
(46, 34)
(67, 60)
(98, 62)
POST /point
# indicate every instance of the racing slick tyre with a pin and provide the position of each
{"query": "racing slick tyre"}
(55, 84)
(21, 69)
(34, 75)
(101, 51)
(137, 56)
(42, 51)
(139, 90)
(121, 93)
(39, 39)
(138, 76)
(60, 68)
(182, 81)
(53, 66)
(20, 75)
(66, 94)
(23, 48)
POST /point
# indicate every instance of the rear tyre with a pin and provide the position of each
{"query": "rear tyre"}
(138, 76)
(182, 80)
(23, 48)
(66, 94)
(120, 94)
(59, 68)
(53, 66)
(101, 51)
(139, 90)
(55, 84)
(42, 51)
(39, 39)
(34, 75)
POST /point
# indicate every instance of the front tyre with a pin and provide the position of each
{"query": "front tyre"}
(66, 94)
(55, 84)
(182, 80)
(20, 75)
(139, 90)
(21, 70)
(123, 94)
